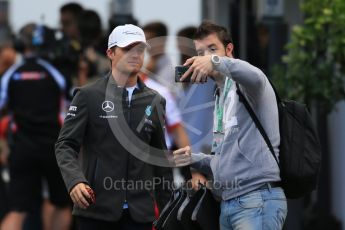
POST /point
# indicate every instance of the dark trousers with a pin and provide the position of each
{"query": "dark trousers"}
(125, 223)
(3, 197)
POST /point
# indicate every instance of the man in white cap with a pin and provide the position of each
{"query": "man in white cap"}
(107, 119)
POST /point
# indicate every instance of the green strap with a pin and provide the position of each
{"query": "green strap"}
(220, 105)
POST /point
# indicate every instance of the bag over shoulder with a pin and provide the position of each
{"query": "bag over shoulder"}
(300, 151)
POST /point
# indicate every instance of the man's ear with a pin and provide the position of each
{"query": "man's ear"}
(110, 53)
(229, 49)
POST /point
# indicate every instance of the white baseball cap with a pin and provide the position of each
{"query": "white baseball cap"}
(125, 35)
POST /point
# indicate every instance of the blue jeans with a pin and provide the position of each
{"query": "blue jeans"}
(262, 209)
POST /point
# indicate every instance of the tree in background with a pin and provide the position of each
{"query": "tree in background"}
(314, 65)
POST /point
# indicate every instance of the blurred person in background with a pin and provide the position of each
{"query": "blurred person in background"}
(185, 43)
(68, 49)
(69, 16)
(3, 163)
(3, 200)
(197, 96)
(93, 61)
(8, 57)
(120, 19)
(160, 69)
(33, 92)
(159, 66)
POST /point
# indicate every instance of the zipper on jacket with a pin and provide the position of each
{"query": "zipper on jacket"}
(128, 105)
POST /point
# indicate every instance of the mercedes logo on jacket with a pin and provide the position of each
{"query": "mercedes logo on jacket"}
(108, 106)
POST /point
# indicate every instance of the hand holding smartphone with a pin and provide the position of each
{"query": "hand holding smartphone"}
(179, 71)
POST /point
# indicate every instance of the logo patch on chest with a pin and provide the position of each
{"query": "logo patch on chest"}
(148, 110)
(108, 106)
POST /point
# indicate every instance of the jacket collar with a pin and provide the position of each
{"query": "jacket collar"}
(141, 85)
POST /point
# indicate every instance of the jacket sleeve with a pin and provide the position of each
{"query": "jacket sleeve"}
(252, 79)
(70, 139)
(162, 189)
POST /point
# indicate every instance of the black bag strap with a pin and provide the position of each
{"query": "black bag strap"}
(279, 101)
(257, 122)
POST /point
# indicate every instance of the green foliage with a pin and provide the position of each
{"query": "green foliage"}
(314, 67)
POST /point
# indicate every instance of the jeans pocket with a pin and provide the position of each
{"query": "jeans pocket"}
(281, 214)
(251, 200)
(276, 212)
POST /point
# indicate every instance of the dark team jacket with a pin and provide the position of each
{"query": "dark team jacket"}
(34, 93)
(102, 127)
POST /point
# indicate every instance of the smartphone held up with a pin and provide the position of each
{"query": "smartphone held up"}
(179, 71)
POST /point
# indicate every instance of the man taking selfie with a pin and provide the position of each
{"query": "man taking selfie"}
(244, 170)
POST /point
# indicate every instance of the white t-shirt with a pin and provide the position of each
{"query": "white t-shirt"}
(130, 91)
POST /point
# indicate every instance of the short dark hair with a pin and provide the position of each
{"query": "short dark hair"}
(90, 26)
(158, 28)
(207, 27)
(72, 7)
(187, 32)
(186, 47)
